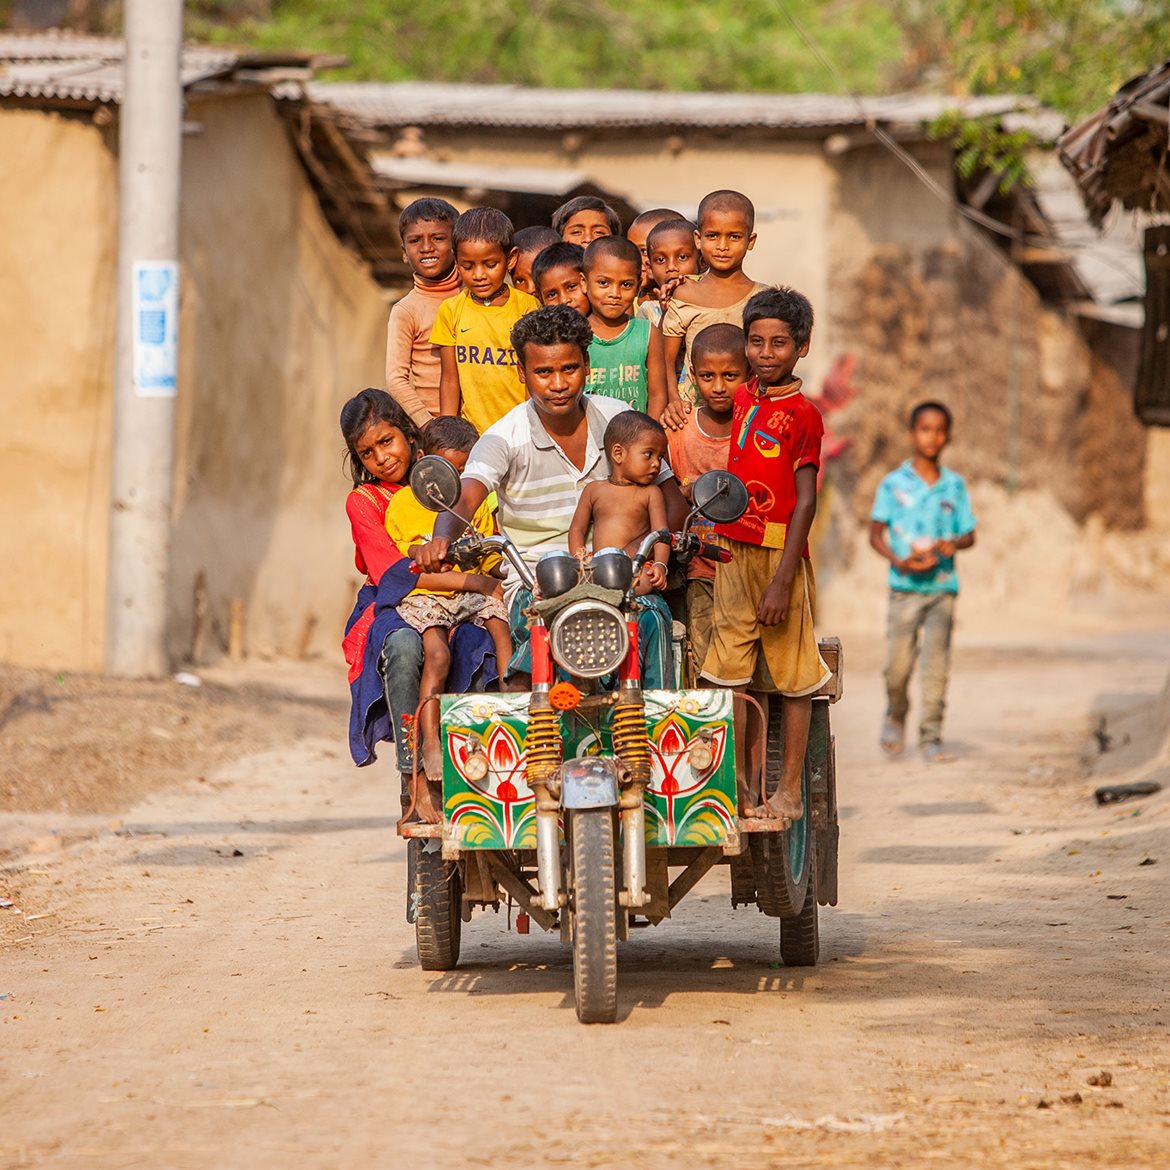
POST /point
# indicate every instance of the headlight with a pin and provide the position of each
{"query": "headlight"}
(589, 638)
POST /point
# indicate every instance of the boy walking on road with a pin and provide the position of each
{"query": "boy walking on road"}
(921, 516)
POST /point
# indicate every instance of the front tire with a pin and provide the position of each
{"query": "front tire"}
(592, 877)
(438, 905)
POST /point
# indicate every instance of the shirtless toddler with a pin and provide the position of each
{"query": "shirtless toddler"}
(622, 509)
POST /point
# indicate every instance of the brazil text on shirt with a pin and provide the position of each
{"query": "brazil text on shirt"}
(914, 510)
(485, 355)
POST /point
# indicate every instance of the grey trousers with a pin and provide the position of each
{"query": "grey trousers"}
(919, 620)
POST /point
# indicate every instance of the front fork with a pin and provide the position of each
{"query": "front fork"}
(544, 750)
(633, 814)
(631, 745)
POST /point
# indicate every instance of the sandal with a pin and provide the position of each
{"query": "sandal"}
(935, 753)
(892, 737)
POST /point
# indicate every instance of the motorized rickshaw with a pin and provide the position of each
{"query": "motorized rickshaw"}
(588, 800)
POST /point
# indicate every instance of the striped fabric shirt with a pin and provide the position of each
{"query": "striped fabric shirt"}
(537, 485)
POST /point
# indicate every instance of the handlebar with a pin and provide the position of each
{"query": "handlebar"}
(714, 552)
(662, 536)
(468, 550)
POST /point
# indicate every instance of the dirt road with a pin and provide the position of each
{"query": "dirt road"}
(227, 980)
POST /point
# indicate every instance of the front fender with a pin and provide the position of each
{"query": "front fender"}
(589, 783)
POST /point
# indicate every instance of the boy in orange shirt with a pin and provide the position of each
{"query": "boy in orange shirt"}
(478, 378)
(719, 368)
(412, 363)
(763, 635)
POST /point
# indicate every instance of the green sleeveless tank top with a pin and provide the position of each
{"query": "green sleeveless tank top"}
(617, 367)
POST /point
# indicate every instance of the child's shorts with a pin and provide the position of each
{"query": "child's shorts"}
(700, 606)
(780, 658)
(425, 611)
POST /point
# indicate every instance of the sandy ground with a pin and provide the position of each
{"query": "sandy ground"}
(222, 976)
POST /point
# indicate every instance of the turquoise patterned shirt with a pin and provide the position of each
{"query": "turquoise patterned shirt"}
(913, 510)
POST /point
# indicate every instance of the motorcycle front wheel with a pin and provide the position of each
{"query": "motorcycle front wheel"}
(592, 877)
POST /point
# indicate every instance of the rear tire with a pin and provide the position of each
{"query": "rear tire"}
(592, 877)
(800, 935)
(413, 849)
(783, 862)
(438, 922)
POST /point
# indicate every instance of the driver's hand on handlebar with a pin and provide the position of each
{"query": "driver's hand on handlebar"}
(431, 557)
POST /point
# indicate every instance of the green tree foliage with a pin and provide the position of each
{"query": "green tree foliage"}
(640, 44)
(981, 145)
(1071, 54)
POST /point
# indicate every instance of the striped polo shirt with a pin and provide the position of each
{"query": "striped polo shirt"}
(535, 482)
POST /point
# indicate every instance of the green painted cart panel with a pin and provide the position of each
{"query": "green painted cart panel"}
(683, 806)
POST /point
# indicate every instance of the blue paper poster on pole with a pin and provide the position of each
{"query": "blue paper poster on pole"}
(156, 328)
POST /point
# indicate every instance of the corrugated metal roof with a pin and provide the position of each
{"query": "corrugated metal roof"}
(87, 69)
(1119, 152)
(60, 67)
(1109, 262)
(426, 172)
(421, 103)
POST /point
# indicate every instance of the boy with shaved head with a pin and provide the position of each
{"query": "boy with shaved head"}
(725, 235)
(626, 355)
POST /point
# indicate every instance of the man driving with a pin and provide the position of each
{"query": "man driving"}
(538, 459)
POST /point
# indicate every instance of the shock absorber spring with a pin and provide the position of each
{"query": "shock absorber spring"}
(543, 744)
(631, 743)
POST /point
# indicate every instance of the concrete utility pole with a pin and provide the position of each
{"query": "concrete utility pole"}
(145, 370)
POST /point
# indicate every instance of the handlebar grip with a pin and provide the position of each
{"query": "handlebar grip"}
(714, 552)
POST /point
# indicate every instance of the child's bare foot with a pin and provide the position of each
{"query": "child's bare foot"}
(433, 758)
(780, 806)
(427, 802)
(429, 799)
(892, 737)
(935, 753)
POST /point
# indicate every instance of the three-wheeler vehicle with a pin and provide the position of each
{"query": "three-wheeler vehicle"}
(589, 800)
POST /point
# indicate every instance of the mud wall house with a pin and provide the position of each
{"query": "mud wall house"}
(280, 321)
(1118, 158)
(913, 297)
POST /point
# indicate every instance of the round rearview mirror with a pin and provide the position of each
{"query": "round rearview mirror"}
(435, 483)
(720, 496)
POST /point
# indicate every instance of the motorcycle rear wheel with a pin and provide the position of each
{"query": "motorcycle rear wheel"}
(438, 905)
(800, 934)
(592, 876)
(783, 862)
